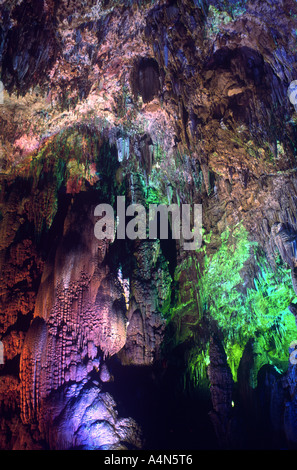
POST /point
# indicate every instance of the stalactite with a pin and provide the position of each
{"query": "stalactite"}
(221, 392)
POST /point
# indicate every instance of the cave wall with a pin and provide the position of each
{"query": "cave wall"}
(181, 102)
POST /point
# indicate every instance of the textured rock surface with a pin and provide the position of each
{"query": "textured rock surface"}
(163, 102)
(79, 319)
(221, 390)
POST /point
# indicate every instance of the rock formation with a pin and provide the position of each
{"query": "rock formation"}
(131, 343)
